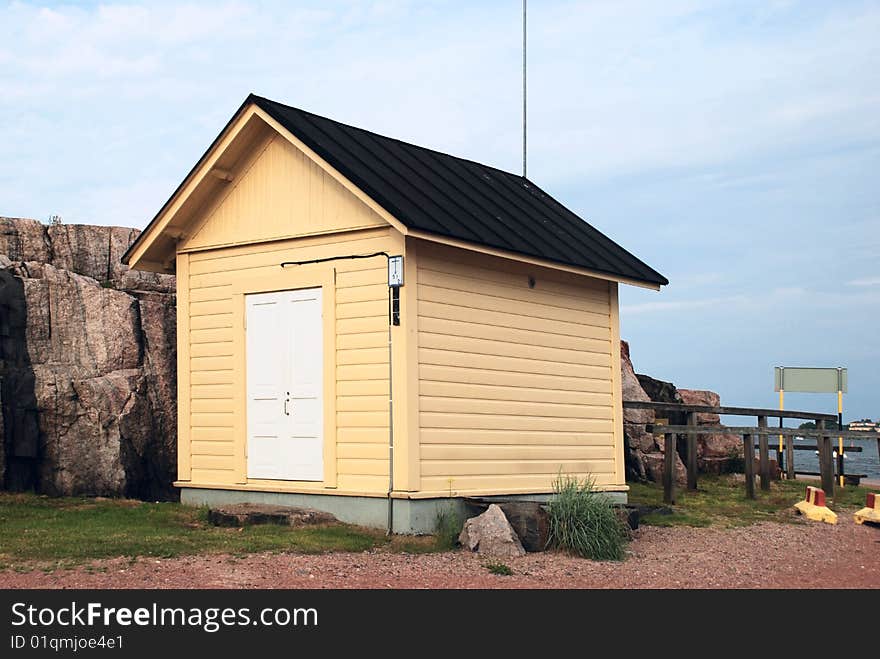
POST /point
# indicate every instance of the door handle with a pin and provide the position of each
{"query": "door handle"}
(286, 401)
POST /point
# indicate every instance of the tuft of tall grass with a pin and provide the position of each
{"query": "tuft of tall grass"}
(448, 526)
(583, 522)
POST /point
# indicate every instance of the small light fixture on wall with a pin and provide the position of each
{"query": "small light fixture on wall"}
(531, 282)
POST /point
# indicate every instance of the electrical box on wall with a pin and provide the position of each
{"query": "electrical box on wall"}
(395, 271)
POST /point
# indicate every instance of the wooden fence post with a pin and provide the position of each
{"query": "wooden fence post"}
(749, 465)
(669, 468)
(789, 457)
(764, 454)
(826, 463)
(692, 453)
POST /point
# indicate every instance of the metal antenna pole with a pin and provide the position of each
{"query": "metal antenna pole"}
(524, 88)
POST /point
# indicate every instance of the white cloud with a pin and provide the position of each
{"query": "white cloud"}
(680, 305)
(866, 281)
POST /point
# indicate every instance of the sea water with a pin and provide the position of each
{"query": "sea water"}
(867, 462)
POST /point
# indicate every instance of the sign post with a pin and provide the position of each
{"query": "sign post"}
(815, 380)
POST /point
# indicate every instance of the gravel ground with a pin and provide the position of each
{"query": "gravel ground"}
(766, 555)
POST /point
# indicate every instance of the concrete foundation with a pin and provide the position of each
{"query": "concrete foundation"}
(412, 516)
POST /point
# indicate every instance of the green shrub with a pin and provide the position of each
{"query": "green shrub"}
(499, 568)
(448, 527)
(583, 522)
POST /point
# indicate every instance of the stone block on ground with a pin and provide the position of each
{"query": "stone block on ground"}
(247, 514)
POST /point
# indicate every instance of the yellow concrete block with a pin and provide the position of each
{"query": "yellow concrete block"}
(871, 512)
(813, 507)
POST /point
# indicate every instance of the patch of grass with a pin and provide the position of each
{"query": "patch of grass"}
(447, 528)
(37, 528)
(584, 523)
(416, 544)
(499, 568)
(58, 533)
(721, 501)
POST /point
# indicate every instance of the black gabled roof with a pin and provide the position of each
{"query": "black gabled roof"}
(448, 196)
(457, 198)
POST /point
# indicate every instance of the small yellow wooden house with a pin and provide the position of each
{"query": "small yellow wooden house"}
(367, 325)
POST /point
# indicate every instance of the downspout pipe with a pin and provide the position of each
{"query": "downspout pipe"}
(284, 264)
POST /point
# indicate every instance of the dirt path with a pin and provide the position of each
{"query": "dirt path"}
(767, 555)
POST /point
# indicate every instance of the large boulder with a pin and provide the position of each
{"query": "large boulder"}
(491, 534)
(637, 441)
(529, 519)
(654, 466)
(88, 365)
(716, 452)
(632, 389)
(643, 452)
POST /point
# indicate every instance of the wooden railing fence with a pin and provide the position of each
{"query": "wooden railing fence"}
(748, 433)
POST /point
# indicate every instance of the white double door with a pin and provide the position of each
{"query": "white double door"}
(285, 382)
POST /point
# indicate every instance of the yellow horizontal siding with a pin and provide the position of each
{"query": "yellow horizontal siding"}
(362, 483)
(363, 450)
(220, 390)
(432, 388)
(514, 452)
(213, 349)
(509, 319)
(202, 476)
(465, 405)
(211, 377)
(506, 483)
(468, 375)
(362, 388)
(493, 346)
(514, 381)
(362, 403)
(511, 288)
(212, 335)
(358, 372)
(362, 340)
(476, 422)
(452, 357)
(200, 461)
(212, 447)
(490, 270)
(211, 322)
(361, 325)
(212, 434)
(553, 437)
(596, 316)
(511, 335)
(365, 355)
(363, 435)
(493, 466)
(211, 405)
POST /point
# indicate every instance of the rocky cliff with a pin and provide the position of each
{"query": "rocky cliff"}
(716, 453)
(87, 364)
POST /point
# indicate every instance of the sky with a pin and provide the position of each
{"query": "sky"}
(732, 145)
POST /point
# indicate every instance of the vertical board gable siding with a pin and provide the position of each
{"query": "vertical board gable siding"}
(361, 354)
(283, 193)
(515, 383)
